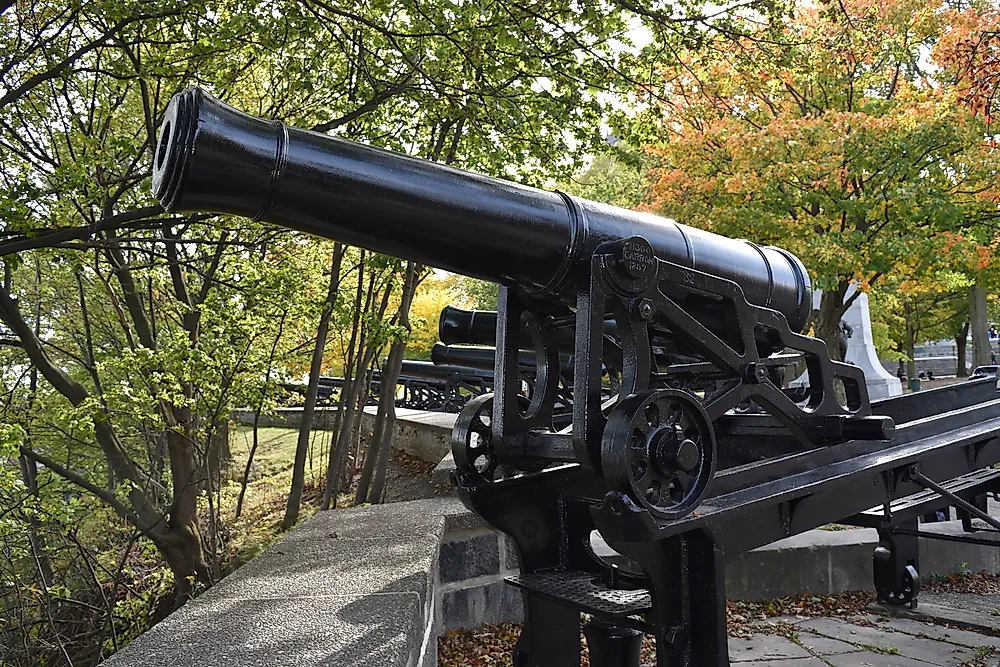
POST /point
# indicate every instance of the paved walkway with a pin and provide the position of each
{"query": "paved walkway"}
(871, 640)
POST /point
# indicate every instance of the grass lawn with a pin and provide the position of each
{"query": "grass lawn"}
(270, 477)
(268, 483)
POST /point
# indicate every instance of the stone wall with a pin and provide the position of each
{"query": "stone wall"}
(939, 366)
(426, 435)
(375, 586)
(940, 358)
(472, 564)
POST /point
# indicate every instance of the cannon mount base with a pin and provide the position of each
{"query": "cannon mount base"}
(669, 583)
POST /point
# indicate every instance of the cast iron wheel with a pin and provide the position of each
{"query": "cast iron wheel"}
(906, 590)
(471, 442)
(896, 588)
(659, 447)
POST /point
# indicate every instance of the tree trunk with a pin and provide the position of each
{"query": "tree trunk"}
(961, 345)
(379, 452)
(309, 408)
(249, 466)
(910, 342)
(827, 321)
(346, 392)
(217, 456)
(352, 419)
(181, 547)
(29, 475)
(345, 437)
(385, 418)
(357, 451)
(979, 323)
(256, 416)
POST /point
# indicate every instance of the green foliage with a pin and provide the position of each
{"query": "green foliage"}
(140, 331)
(478, 294)
(834, 143)
(611, 180)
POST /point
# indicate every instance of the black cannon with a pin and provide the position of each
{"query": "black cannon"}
(327, 393)
(483, 357)
(442, 388)
(433, 371)
(677, 481)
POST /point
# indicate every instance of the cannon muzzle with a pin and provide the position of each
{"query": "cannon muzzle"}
(213, 158)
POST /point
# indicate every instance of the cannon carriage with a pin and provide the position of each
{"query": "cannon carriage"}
(664, 465)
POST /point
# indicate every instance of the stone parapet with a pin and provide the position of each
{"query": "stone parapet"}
(426, 435)
(375, 586)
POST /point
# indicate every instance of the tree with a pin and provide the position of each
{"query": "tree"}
(376, 461)
(832, 143)
(151, 325)
(969, 51)
(309, 407)
(612, 179)
(144, 329)
(433, 294)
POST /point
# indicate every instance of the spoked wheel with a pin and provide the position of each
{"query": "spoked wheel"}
(659, 447)
(471, 441)
(472, 445)
(897, 581)
(903, 592)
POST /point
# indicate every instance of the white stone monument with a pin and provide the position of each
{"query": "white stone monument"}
(861, 350)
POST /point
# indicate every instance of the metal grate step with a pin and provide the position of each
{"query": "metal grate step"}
(584, 591)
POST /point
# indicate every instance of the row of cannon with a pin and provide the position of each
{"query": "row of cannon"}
(461, 367)
(463, 361)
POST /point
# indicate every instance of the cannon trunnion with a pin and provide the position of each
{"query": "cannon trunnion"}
(635, 314)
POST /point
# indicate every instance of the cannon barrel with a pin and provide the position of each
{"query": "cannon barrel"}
(458, 326)
(472, 356)
(426, 370)
(211, 157)
(483, 357)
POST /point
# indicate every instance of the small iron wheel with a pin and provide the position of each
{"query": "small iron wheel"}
(659, 447)
(471, 444)
(905, 590)
(896, 588)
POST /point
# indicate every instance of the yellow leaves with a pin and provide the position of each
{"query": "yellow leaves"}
(433, 294)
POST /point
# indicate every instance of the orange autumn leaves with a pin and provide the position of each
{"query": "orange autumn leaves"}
(839, 140)
(969, 51)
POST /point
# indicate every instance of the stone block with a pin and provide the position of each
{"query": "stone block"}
(820, 645)
(399, 520)
(470, 557)
(888, 643)
(471, 607)
(457, 517)
(335, 567)
(941, 557)
(510, 561)
(426, 435)
(872, 659)
(442, 471)
(360, 631)
(973, 619)
(790, 662)
(821, 562)
(931, 630)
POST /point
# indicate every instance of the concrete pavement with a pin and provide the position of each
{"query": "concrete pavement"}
(875, 640)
